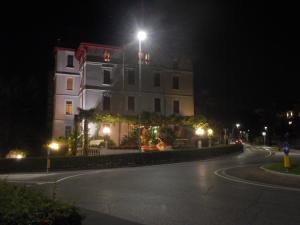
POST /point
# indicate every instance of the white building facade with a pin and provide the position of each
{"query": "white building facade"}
(106, 77)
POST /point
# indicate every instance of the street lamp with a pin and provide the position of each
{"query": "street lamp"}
(141, 36)
(54, 146)
(264, 135)
(210, 133)
(200, 132)
(266, 128)
(106, 132)
(237, 125)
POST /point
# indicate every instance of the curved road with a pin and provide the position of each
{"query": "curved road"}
(176, 194)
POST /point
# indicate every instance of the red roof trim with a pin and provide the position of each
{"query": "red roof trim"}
(84, 45)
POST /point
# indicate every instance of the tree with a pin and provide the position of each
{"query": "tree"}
(86, 116)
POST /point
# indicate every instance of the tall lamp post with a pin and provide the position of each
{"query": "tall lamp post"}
(141, 36)
(54, 146)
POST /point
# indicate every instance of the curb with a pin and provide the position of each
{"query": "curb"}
(279, 173)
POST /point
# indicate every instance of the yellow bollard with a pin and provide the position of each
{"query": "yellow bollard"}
(48, 164)
(286, 162)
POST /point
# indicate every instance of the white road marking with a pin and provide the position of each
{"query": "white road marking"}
(222, 173)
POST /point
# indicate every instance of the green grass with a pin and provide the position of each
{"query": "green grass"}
(295, 167)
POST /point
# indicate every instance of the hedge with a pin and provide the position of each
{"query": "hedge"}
(112, 161)
(23, 206)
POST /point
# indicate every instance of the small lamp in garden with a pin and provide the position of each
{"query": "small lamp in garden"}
(106, 132)
(210, 133)
(264, 134)
(200, 132)
(53, 146)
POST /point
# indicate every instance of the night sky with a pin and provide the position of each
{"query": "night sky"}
(244, 53)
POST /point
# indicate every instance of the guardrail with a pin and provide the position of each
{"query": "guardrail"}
(112, 161)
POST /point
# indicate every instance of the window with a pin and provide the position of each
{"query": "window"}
(131, 77)
(69, 84)
(131, 103)
(106, 56)
(69, 107)
(68, 130)
(70, 61)
(106, 103)
(176, 107)
(157, 108)
(106, 77)
(175, 82)
(156, 80)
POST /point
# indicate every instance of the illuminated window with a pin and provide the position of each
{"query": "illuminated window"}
(156, 80)
(106, 77)
(69, 107)
(131, 77)
(70, 61)
(106, 103)
(106, 56)
(176, 107)
(147, 58)
(157, 108)
(131, 103)
(175, 84)
(69, 84)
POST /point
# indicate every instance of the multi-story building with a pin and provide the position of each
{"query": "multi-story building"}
(107, 78)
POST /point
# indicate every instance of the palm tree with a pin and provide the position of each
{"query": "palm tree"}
(86, 116)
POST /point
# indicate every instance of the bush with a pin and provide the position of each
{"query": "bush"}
(131, 140)
(22, 206)
(167, 135)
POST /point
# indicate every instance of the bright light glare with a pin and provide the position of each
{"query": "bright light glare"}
(210, 131)
(142, 35)
(200, 131)
(290, 122)
(19, 156)
(54, 146)
(106, 130)
(266, 128)
(238, 125)
(264, 133)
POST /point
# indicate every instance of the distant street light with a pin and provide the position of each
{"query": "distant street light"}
(264, 135)
(237, 125)
(54, 146)
(200, 132)
(290, 122)
(141, 36)
(266, 128)
(106, 132)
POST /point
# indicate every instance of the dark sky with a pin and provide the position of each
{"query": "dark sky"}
(244, 52)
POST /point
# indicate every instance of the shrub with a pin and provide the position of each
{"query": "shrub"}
(22, 206)
(131, 140)
(167, 135)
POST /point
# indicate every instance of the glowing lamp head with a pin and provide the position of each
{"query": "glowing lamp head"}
(264, 133)
(141, 35)
(200, 131)
(210, 132)
(54, 146)
(237, 125)
(106, 130)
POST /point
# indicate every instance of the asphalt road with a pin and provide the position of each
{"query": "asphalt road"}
(175, 194)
